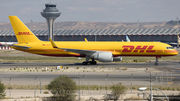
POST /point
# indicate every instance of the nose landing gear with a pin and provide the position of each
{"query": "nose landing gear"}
(156, 63)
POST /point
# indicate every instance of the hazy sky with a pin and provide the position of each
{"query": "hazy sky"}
(93, 10)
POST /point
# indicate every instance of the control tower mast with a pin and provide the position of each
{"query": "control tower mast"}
(50, 13)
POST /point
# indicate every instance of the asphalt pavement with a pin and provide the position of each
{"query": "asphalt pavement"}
(166, 73)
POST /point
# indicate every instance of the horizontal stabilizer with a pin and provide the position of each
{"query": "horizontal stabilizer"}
(127, 39)
(22, 47)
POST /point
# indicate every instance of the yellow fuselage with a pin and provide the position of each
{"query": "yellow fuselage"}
(117, 48)
(102, 51)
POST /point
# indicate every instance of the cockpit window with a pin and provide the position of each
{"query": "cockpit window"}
(169, 48)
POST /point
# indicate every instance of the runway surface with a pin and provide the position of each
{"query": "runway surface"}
(130, 65)
(166, 73)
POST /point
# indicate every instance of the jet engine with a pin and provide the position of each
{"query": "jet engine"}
(104, 57)
(116, 59)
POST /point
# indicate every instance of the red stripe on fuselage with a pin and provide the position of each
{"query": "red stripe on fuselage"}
(66, 55)
(63, 55)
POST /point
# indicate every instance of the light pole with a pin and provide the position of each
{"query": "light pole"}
(106, 83)
(79, 86)
(144, 88)
(162, 78)
(88, 87)
(151, 86)
(167, 77)
(171, 77)
(156, 82)
(131, 82)
(10, 87)
(40, 85)
(82, 83)
(35, 87)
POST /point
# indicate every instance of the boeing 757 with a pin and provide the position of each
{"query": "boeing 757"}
(101, 51)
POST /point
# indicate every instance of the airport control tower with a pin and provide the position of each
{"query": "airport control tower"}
(50, 13)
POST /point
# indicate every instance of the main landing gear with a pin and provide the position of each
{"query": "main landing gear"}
(89, 62)
(156, 63)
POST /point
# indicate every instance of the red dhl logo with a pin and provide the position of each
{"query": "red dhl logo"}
(24, 33)
(139, 48)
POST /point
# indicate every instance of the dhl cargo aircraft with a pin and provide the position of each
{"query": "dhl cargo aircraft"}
(101, 51)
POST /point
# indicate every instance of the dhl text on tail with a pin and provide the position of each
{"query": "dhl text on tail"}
(101, 51)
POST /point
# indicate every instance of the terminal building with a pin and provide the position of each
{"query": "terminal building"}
(160, 35)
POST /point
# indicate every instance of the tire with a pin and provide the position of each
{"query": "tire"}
(94, 62)
(155, 64)
(84, 63)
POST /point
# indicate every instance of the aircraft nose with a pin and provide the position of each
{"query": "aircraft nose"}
(171, 52)
(174, 52)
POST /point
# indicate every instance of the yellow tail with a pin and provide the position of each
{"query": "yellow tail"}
(22, 32)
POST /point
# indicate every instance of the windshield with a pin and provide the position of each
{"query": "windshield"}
(169, 48)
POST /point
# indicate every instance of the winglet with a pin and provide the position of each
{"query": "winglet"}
(53, 44)
(85, 39)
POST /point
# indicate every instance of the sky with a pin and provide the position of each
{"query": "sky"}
(93, 10)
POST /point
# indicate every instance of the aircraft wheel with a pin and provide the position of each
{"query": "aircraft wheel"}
(155, 63)
(85, 63)
(94, 62)
(90, 62)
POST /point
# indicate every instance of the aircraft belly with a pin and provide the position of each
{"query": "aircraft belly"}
(52, 52)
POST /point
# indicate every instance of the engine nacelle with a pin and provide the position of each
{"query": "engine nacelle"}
(104, 57)
(116, 59)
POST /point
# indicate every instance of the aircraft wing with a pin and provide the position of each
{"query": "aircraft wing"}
(82, 52)
(79, 51)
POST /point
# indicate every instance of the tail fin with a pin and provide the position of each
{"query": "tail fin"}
(22, 32)
(178, 39)
(127, 39)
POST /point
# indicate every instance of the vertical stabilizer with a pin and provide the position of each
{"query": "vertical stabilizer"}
(178, 39)
(22, 32)
(127, 39)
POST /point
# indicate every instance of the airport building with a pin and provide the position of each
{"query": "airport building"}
(161, 35)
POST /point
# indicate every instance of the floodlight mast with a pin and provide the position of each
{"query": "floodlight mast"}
(50, 13)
